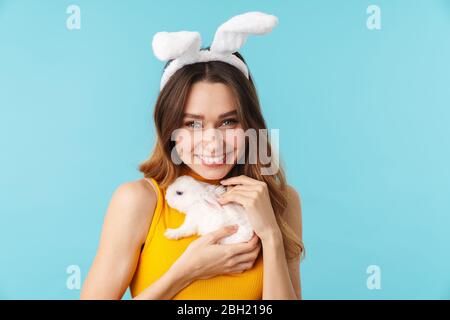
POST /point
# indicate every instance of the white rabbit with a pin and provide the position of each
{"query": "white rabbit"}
(204, 214)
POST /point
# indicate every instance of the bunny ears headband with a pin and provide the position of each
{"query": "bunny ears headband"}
(183, 47)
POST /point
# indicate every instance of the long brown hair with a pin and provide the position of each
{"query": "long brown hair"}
(168, 116)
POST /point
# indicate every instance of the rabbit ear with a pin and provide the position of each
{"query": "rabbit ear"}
(171, 45)
(231, 35)
(211, 201)
(210, 196)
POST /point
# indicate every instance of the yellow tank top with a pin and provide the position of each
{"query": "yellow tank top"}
(159, 253)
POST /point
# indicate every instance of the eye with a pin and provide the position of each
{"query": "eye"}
(229, 122)
(193, 124)
(179, 193)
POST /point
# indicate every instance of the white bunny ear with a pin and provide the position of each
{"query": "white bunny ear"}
(171, 45)
(212, 202)
(210, 196)
(231, 35)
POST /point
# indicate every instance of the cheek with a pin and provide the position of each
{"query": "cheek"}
(185, 141)
(182, 145)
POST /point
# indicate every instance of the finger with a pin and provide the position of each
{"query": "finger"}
(237, 197)
(246, 257)
(244, 190)
(241, 187)
(242, 179)
(241, 267)
(222, 232)
(244, 247)
(254, 239)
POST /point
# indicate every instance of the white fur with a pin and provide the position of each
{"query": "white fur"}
(171, 45)
(183, 47)
(204, 214)
(231, 35)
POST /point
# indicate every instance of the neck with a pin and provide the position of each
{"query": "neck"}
(187, 171)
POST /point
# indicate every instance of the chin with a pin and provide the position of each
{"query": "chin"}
(212, 173)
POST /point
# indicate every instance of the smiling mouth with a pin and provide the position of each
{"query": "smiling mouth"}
(212, 160)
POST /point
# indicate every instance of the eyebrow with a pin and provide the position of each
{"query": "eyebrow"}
(223, 115)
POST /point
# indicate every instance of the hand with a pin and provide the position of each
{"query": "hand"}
(205, 258)
(253, 195)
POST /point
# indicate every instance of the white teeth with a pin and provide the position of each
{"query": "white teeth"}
(212, 160)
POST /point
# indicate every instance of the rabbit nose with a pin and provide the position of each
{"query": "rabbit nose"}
(179, 193)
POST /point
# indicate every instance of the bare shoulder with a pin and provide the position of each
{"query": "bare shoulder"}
(138, 194)
(131, 207)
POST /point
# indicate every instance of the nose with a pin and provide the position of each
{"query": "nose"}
(179, 193)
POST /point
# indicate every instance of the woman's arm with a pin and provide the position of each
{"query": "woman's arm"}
(282, 277)
(124, 231)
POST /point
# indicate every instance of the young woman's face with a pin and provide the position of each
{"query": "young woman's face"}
(211, 139)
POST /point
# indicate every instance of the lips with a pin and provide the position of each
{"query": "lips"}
(209, 160)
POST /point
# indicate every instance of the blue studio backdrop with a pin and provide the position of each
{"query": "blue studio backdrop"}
(364, 127)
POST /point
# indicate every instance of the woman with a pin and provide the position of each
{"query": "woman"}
(199, 101)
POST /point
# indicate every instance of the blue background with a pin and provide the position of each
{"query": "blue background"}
(363, 117)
